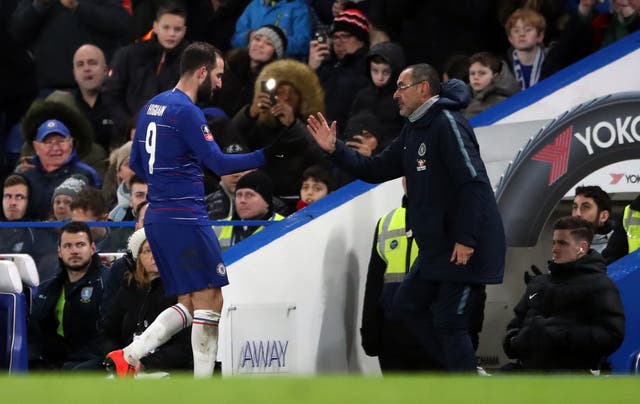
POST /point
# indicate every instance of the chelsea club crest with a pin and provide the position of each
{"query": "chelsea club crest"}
(85, 294)
(422, 150)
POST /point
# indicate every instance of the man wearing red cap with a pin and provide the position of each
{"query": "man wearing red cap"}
(341, 63)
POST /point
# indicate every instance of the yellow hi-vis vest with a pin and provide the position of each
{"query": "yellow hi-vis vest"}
(225, 233)
(393, 246)
(631, 223)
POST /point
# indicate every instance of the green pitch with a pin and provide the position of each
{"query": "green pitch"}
(76, 388)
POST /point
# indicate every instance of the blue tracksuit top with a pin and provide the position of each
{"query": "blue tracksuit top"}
(171, 143)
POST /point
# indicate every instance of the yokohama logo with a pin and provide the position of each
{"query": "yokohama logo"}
(557, 154)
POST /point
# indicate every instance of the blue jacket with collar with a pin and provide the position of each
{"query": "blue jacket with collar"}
(450, 199)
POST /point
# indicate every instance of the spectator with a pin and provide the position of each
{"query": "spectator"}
(572, 318)
(317, 183)
(115, 189)
(214, 21)
(90, 71)
(90, 207)
(341, 66)
(456, 67)
(266, 44)
(15, 208)
(15, 94)
(529, 62)
(144, 69)
(65, 321)
(297, 93)
(136, 193)
(433, 31)
(220, 203)
(385, 61)
(593, 204)
(491, 82)
(56, 159)
(53, 31)
(363, 133)
(324, 11)
(64, 195)
(553, 11)
(610, 26)
(126, 264)
(252, 200)
(292, 16)
(137, 303)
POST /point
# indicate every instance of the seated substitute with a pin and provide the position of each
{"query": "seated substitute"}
(65, 321)
(572, 318)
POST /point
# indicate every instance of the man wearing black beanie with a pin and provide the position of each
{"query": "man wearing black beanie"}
(253, 201)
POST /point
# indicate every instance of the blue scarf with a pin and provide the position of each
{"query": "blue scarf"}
(538, 60)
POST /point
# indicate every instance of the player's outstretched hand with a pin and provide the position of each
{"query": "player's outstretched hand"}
(324, 135)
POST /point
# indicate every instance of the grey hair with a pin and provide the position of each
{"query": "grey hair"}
(424, 72)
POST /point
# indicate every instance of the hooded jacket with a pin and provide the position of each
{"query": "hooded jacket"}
(379, 100)
(302, 151)
(450, 199)
(569, 319)
(504, 85)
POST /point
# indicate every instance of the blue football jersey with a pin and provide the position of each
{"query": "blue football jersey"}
(171, 143)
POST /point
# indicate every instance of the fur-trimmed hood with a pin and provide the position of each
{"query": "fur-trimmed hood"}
(58, 105)
(302, 78)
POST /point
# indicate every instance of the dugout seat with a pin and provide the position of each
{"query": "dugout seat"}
(13, 320)
(28, 273)
(635, 363)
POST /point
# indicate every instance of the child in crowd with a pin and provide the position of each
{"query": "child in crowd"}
(64, 195)
(491, 82)
(386, 61)
(317, 183)
(525, 31)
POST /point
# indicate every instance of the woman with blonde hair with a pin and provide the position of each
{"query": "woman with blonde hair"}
(136, 305)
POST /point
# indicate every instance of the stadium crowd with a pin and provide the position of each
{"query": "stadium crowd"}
(77, 72)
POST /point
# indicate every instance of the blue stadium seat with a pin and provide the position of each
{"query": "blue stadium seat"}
(13, 320)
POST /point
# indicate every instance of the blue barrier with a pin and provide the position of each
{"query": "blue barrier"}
(626, 274)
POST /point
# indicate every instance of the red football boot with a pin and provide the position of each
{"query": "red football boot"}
(117, 365)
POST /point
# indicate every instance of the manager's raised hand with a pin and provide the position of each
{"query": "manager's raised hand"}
(324, 135)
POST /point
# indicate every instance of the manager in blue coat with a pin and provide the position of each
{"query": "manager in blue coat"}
(451, 210)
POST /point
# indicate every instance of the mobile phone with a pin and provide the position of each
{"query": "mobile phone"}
(319, 37)
(269, 87)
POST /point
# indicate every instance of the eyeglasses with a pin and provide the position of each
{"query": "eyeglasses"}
(340, 37)
(59, 142)
(401, 87)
